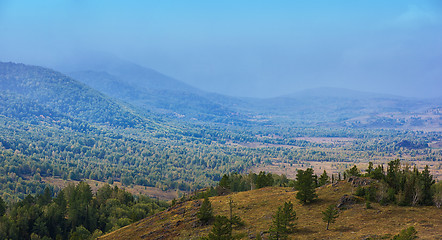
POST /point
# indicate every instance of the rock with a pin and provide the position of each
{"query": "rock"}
(346, 201)
(359, 181)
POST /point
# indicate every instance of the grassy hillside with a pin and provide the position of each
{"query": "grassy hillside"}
(256, 208)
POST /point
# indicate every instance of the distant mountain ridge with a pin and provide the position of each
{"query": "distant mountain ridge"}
(164, 95)
(121, 85)
(41, 88)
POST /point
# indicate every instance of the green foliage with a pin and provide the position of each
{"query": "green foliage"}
(74, 213)
(80, 233)
(437, 197)
(354, 171)
(283, 222)
(2, 207)
(306, 185)
(368, 205)
(401, 185)
(205, 213)
(409, 233)
(323, 179)
(263, 180)
(222, 229)
(235, 220)
(330, 215)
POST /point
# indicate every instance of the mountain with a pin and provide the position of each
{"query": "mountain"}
(157, 93)
(331, 107)
(36, 92)
(257, 208)
(348, 108)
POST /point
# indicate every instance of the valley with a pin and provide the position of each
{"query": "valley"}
(154, 136)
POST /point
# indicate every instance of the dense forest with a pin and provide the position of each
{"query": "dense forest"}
(74, 212)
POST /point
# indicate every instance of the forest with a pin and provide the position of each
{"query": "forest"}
(74, 212)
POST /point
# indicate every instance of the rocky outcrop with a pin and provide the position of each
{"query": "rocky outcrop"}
(346, 201)
(359, 181)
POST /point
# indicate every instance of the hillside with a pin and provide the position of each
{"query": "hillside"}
(256, 208)
(36, 92)
(330, 107)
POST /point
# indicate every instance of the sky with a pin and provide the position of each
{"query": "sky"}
(241, 48)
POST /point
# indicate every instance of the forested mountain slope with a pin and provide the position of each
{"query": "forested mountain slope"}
(40, 92)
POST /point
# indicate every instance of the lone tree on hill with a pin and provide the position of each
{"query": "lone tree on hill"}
(306, 185)
(283, 222)
(330, 215)
(205, 213)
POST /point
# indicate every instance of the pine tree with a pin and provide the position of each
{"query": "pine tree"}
(235, 220)
(2, 207)
(305, 185)
(205, 213)
(222, 229)
(369, 169)
(426, 181)
(324, 179)
(354, 171)
(330, 215)
(282, 223)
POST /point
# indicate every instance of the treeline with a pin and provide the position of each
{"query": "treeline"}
(399, 184)
(74, 213)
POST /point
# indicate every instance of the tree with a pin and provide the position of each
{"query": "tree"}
(324, 179)
(437, 197)
(80, 233)
(282, 223)
(305, 185)
(407, 234)
(354, 171)
(393, 174)
(235, 220)
(369, 169)
(426, 181)
(2, 207)
(222, 229)
(264, 180)
(330, 215)
(205, 213)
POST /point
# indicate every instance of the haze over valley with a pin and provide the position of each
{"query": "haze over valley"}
(224, 120)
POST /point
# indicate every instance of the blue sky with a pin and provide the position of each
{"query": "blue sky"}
(242, 48)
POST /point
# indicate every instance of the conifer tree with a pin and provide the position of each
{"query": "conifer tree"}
(2, 207)
(426, 181)
(354, 171)
(235, 220)
(222, 229)
(282, 223)
(324, 179)
(369, 169)
(205, 213)
(305, 185)
(330, 215)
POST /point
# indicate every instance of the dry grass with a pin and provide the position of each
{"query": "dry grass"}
(256, 208)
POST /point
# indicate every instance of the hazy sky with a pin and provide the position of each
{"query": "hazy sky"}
(242, 48)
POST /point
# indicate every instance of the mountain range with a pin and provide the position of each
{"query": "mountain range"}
(120, 93)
